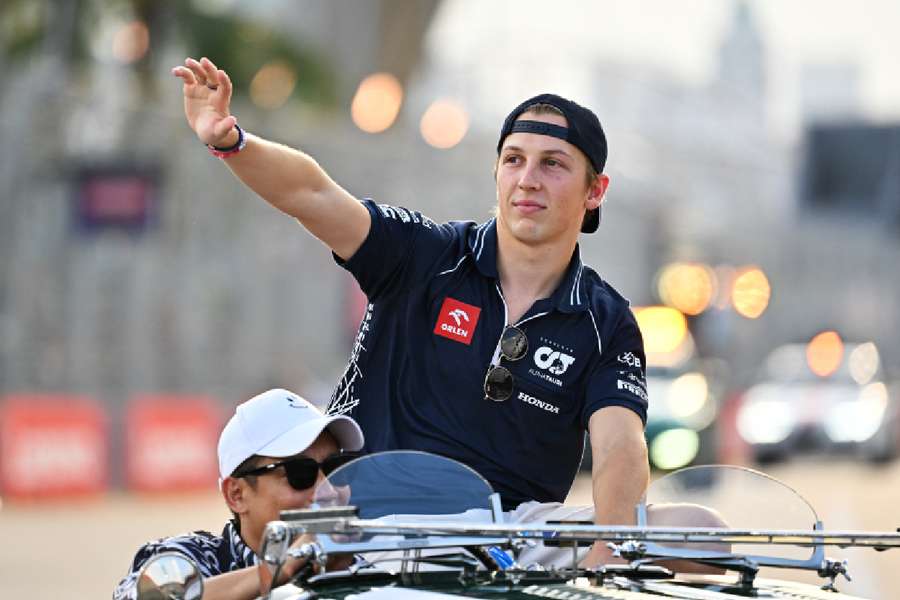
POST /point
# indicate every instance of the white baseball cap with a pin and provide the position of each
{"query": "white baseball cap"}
(279, 423)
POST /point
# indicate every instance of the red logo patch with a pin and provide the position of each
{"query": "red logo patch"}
(457, 321)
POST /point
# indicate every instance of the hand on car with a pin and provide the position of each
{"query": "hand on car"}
(598, 556)
(294, 565)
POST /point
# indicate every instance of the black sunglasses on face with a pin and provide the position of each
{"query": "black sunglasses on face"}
(302, 471)
(498, 381)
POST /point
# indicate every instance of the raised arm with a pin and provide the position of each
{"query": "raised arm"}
(286, 178)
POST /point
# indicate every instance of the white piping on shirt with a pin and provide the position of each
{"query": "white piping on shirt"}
(597, 331)
(575, 292)
(483, 233)
(575, 298)
(454, 268)
(496, 358)
(479, 239)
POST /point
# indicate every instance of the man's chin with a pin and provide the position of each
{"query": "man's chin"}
(529, 234)
(525, 229)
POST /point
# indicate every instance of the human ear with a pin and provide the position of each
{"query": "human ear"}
(233, 490)
(597, 191)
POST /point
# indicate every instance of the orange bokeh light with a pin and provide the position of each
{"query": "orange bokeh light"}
(689, 287)
(662, 327)
(131, 42)
(272, 85)
(750, 292)
(824, 353)
(444, 124)
(377, 102)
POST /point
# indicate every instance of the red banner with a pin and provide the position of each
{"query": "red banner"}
(52, 446)
(171, 443)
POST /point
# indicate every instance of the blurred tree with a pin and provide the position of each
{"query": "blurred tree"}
(70, 28)
(22, 24)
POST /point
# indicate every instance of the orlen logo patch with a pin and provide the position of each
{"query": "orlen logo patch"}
(457, 321)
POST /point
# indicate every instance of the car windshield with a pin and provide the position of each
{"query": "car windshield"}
(407, 483)
(410, 486)
(740, 498)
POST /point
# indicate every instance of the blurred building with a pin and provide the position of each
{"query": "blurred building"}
(830, 92)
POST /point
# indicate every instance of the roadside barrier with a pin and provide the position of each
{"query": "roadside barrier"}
(170, 443)
(52, 446)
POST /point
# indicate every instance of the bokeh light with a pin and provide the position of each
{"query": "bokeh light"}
(377, 102)
(863, 363)
(689, 287)
(859, 420)
(444, 124)
(272, 85)
(765, 416)
(130, 42)
(663, 328)
(750, 292)
(688, 395)
(674, 448)
(824, 353)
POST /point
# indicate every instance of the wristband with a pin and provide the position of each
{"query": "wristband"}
(230, 150)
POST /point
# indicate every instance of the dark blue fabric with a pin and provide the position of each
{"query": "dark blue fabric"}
(410, 388)
(214, 555)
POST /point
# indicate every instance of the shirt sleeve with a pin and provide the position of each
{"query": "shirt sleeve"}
(620, 377)
(199, 547)
(401, 249)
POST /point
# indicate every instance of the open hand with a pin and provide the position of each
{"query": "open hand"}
(207, 95)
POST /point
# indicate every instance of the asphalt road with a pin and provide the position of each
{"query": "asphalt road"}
(81, 549)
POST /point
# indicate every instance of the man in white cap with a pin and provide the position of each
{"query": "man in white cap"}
(272, 452)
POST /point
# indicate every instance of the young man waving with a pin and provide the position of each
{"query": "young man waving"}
(489, 343)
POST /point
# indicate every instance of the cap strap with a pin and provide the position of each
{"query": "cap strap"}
(541, 128)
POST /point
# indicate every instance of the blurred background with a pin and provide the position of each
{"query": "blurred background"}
(753, 220)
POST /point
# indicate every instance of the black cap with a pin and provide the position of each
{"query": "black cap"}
(584, 132)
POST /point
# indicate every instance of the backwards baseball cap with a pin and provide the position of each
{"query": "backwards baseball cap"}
(279, 423)
(584, 132)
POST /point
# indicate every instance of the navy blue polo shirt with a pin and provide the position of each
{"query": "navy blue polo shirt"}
(433, 322)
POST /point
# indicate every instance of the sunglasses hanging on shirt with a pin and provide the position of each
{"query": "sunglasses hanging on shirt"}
(498, 381)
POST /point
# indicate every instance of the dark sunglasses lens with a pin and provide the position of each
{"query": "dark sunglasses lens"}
(498, 384)
(301, 472)
(513, 343)
(336, 461)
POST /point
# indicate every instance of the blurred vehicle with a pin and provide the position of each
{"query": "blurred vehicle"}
(681, 416)
(684, 393)
(824, 396)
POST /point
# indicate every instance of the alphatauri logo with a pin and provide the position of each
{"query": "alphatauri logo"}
(556, 362)
(457, 321)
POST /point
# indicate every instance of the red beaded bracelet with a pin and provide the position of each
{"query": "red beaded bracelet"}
(226, 152)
